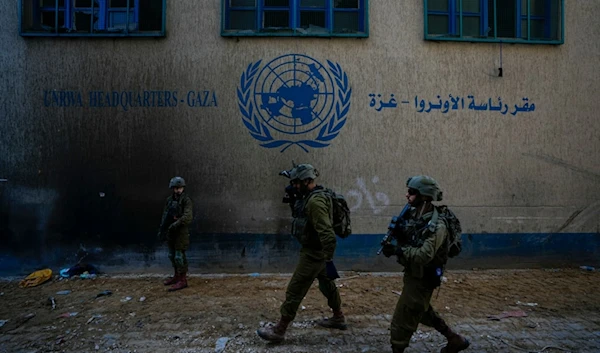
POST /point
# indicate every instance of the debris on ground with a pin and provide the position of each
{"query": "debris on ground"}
(36, 278)
(19, 321)
(526, 304)
(71, 314)
(52, 302)
(221, 344)
(226, 306)
(526, 349)
(93, 318)
(507, 314)
(80, 269)
(103, 293)
(87, 275)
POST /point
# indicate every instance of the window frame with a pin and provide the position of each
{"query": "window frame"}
(69, 9)
(455, 7)
(295, 9)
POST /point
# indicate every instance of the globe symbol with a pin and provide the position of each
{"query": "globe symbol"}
(294, 94)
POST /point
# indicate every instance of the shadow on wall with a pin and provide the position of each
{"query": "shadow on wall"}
(43, 227)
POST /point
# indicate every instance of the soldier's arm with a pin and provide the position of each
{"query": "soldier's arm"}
(424, 254)
(187, 215)
(318, 216)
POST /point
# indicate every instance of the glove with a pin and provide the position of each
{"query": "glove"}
(331, 271)
(400, 257)
(178, 258)
(389, 250)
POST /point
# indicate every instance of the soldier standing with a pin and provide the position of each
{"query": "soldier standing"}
(423, 251)
(313, 228)
(174, 228)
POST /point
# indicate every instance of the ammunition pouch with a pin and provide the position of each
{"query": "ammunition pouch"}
(298, 225)
(173, 211)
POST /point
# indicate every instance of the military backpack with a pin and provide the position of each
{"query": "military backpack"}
(340, 213)
(454, 230)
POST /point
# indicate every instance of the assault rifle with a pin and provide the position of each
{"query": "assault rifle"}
(396, 223)
(169, 217)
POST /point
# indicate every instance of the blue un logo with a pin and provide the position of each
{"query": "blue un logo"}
(294, 100)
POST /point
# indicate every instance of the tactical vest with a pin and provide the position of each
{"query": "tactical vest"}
(300, 222)
(174, 208)
(420, 230)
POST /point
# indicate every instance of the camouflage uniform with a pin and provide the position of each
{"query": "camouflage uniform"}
(318, 240)
(423, 252)
(174, 228)
(312, 226)
(178, 233)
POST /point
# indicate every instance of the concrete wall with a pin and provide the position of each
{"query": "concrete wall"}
(87, 176)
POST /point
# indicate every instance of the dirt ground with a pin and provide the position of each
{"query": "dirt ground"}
(228, 309)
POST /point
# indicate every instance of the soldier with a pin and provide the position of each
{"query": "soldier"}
(423, 251)
(174, 228)
(314, 230)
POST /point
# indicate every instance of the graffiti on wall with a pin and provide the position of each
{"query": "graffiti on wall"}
(452, 103)
(376, 201)
(294, 100)
(126, 100)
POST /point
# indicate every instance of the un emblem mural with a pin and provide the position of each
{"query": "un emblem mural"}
(294, 100)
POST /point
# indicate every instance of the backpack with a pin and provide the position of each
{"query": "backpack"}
(454, 230)
(340, 215)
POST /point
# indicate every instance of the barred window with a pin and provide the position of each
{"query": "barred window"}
(509, 21)
(92, 18)
(312, 18)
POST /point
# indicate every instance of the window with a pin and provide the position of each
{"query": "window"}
(312, 18)
(106, 18)
(509, 21)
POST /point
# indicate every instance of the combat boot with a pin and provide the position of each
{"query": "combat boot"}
(338, 321)
(180, 284)
(171, 280)
(397, 350)
(275, 333)
(456, 342)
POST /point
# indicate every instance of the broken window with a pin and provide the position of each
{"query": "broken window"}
(92, 17)
(510, 21)
(295, 17)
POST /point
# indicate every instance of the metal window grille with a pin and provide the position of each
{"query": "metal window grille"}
(295, 18)
(510, 21)
(92, 17)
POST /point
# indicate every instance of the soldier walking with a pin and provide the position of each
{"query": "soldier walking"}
(313, 228)
(422, 248)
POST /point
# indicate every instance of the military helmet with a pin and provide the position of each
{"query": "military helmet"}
(303, 172)
(176, 182)
(426, 185)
